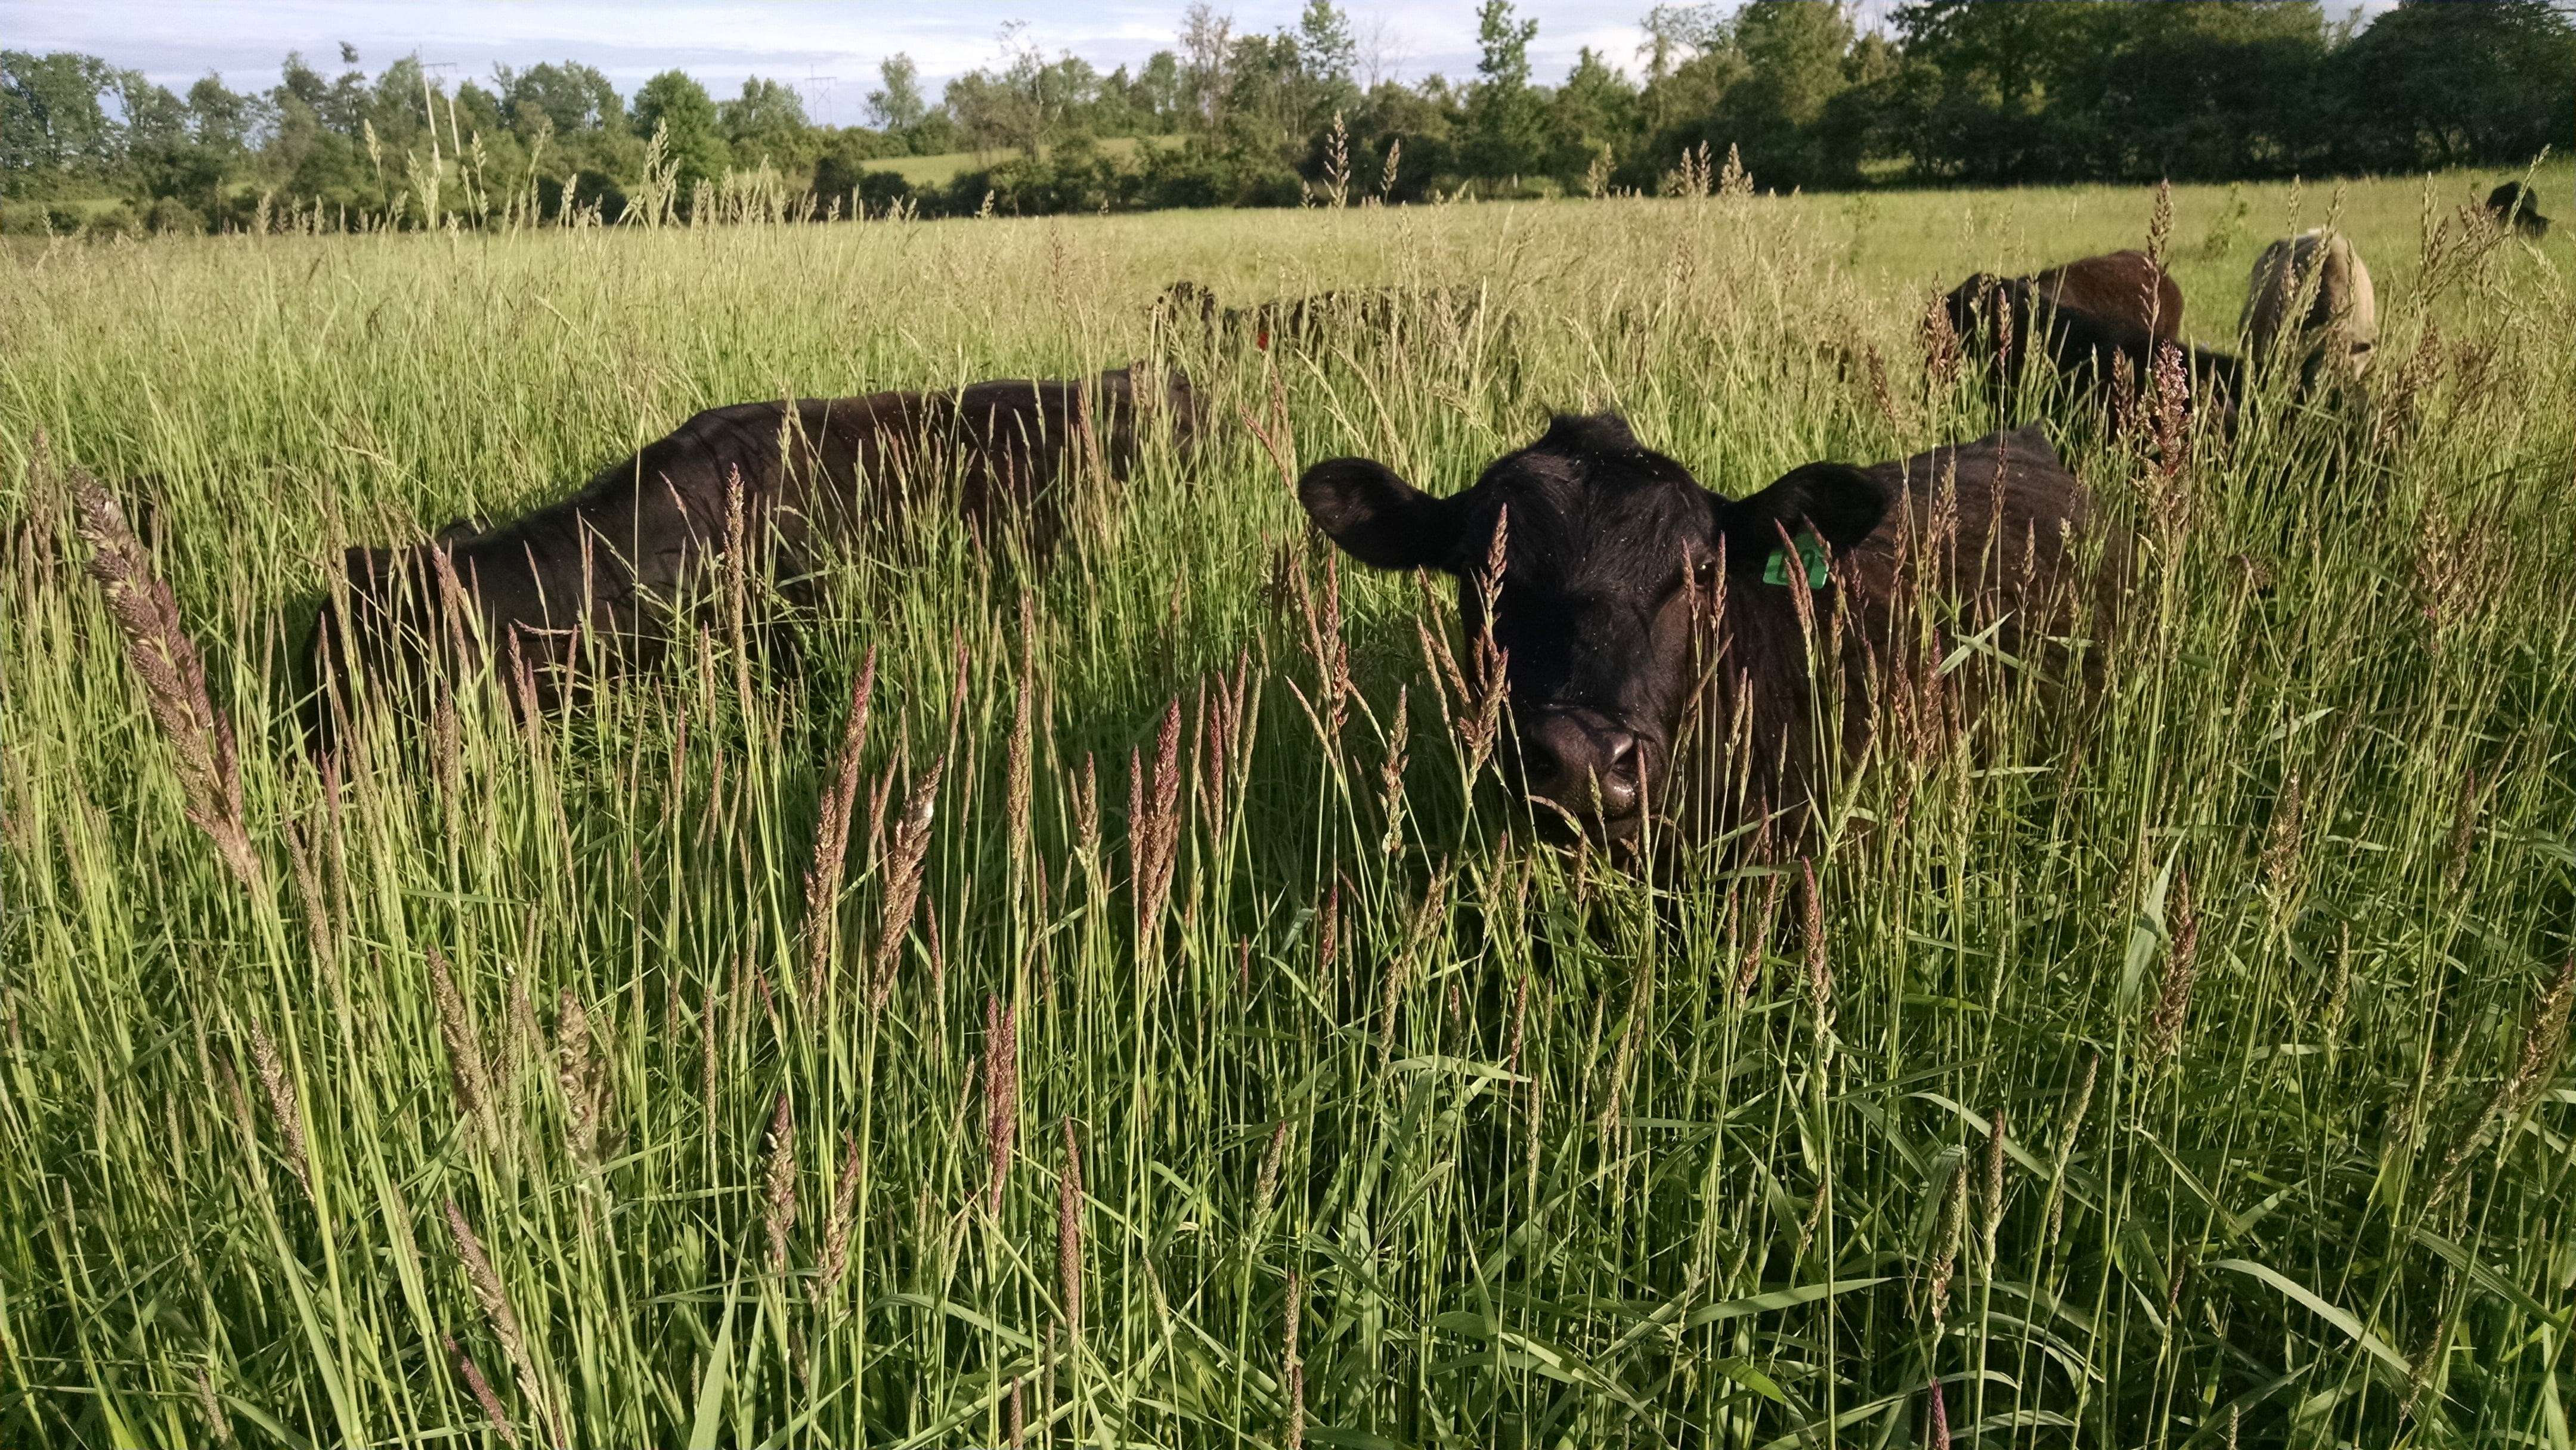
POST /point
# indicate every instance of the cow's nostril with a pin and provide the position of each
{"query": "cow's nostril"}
(1623, 757)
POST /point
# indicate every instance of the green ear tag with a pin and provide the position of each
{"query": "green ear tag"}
(1811, 552)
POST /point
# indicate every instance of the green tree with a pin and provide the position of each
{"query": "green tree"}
(1504, 122)
(571, 97)
(896, 104)
(2064, 90)
(1594, 113)
(767, 123)
(1161, 92)
(53, 126)
(686, 115)
(1327, 57)
(2451, 85)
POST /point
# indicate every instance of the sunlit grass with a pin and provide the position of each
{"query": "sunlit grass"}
(2252, 956)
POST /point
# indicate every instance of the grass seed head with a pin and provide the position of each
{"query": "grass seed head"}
(906, 856)
(1820, 973)
(280, 1087)
(1294, 1365)
(1001, 1094)
(468, 1067)
(481, 1389)
(1947, 1236)
(1068, 1233)
(836, 1228)
(166, 663)
(823, 877)
(1994, 1184)
(486, 1284)
(219, 1423)
(582, 1071)
(2182, 970)
(781, 1182)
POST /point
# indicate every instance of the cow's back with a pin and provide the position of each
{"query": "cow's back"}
(2124, 289)
(1992, 539)
(2315, 289)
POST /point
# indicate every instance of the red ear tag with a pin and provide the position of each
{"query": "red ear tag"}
(1261, 339)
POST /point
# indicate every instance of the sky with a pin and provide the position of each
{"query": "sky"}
(829, 50)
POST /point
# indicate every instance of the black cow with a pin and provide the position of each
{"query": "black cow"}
(1356, 312)
(1631, 594)
(788, 480)
(2516, 205)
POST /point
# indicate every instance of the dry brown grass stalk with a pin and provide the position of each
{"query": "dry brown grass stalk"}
(165, 662)
(824, 876)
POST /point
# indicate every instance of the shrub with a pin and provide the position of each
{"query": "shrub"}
(171, 217)
(117, 221)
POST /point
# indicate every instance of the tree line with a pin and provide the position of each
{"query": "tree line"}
(1954, 92)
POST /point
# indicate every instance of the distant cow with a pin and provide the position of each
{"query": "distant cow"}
(1364, 311)
(1631, 593)
(613, 560)
(2310, 304)
(2518, 206)
(2098, 319)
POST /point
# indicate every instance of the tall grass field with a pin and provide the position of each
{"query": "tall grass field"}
(1147, 1026)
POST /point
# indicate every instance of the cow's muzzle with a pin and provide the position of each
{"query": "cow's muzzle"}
(1586, 765)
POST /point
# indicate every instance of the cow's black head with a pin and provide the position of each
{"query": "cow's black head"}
(1607, 543)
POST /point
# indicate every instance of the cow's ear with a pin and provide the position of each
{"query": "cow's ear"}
(1835, 502)
(1378, 518)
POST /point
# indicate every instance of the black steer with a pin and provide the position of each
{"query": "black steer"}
(615, 559)
(1631, 594)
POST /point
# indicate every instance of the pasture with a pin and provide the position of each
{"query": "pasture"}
(1191, 1050)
